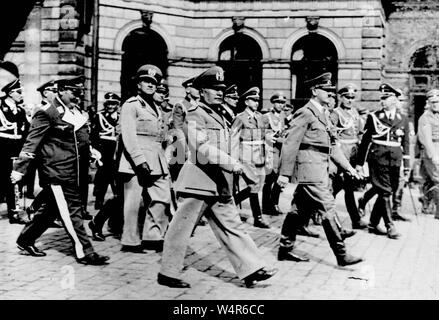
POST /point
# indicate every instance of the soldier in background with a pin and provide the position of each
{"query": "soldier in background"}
(428, 136)
(275, 120)
(202, 185)
(179, 111)
(13, 130)
(248, 146)
(104, 139)
(386, 144)
(349, 129)
(231, 98)
(309, 145)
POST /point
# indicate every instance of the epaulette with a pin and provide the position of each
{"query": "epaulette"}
(45, 106)
(191, 108)
(205, 108)
(133, 98)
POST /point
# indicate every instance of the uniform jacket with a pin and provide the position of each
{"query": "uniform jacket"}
(428, 134)
(310, 131)
(13, 128)
(104, 134)
(144, 136)
(381, 129)
(207, 170)
(275, 127)
(349, 127)
(248, 138)
(53, 143)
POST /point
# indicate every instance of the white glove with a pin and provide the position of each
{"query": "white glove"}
(435, 160)
(282, 181)
(16, 176)
(96, 155)
(238, 168)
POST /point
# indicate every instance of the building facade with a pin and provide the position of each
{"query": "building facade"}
(275, 45)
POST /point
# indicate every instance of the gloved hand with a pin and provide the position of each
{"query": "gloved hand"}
(143, 173)
(96, 156)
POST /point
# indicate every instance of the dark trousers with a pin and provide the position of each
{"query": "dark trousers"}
(112, 210)
(270, 193)
(59, 201)
(105, 174)
(385, 181)
(7, 188)
(346, 183)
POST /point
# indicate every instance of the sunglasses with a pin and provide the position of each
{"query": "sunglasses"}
(19, 91)
(349, 97)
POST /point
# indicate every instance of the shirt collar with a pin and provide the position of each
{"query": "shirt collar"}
(317, 105)
(250, 112)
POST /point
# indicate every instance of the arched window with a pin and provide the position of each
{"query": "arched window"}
(311, 56)
(240, 56)
(141, 46)
(424, 75)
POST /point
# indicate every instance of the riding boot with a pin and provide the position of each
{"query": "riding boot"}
(337, 244)
(256, 211)
(387, 217)
(288, 238)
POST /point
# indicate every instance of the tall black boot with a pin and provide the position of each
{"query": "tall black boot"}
(336, 243)
(256, 210)
(287, 239)
(387, 217)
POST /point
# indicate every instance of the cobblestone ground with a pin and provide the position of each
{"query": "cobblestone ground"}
(394, 269)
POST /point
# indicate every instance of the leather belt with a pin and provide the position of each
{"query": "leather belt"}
(387, 143)
(322, 149)
(253, 142)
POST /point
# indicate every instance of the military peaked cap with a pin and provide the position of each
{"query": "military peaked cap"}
(76, 82)
(49, 85)
(211, 78)
(231, 91)
(433, 95)
(349, 90)
(149, 71)
(321, 82)
(387, 90)
(278, 97)
(188, 82)
(163, 87)
(15, 84)
(111, 96)
(252, 93)
(10, 67)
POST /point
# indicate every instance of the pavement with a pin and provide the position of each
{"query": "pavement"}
(393, 269)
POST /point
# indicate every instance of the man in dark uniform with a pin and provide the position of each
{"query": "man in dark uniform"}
(385, 143)
(104, 139)
(306, 152)
(53, 142)
(347, 122)
(231, 98)
(202, 185)
(248, 146)
(275, 120)
(13, 129)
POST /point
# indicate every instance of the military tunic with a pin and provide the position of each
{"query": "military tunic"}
(203, 187)
(104, 137)
(13, 130)
(428, 137)
(144, 136)
(348, 125)
(53, 143)
(306, 153)
(385, 143)
(271, 190)
(248, 144)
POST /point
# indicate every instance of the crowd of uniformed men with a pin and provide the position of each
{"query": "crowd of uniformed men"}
(171, 168)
